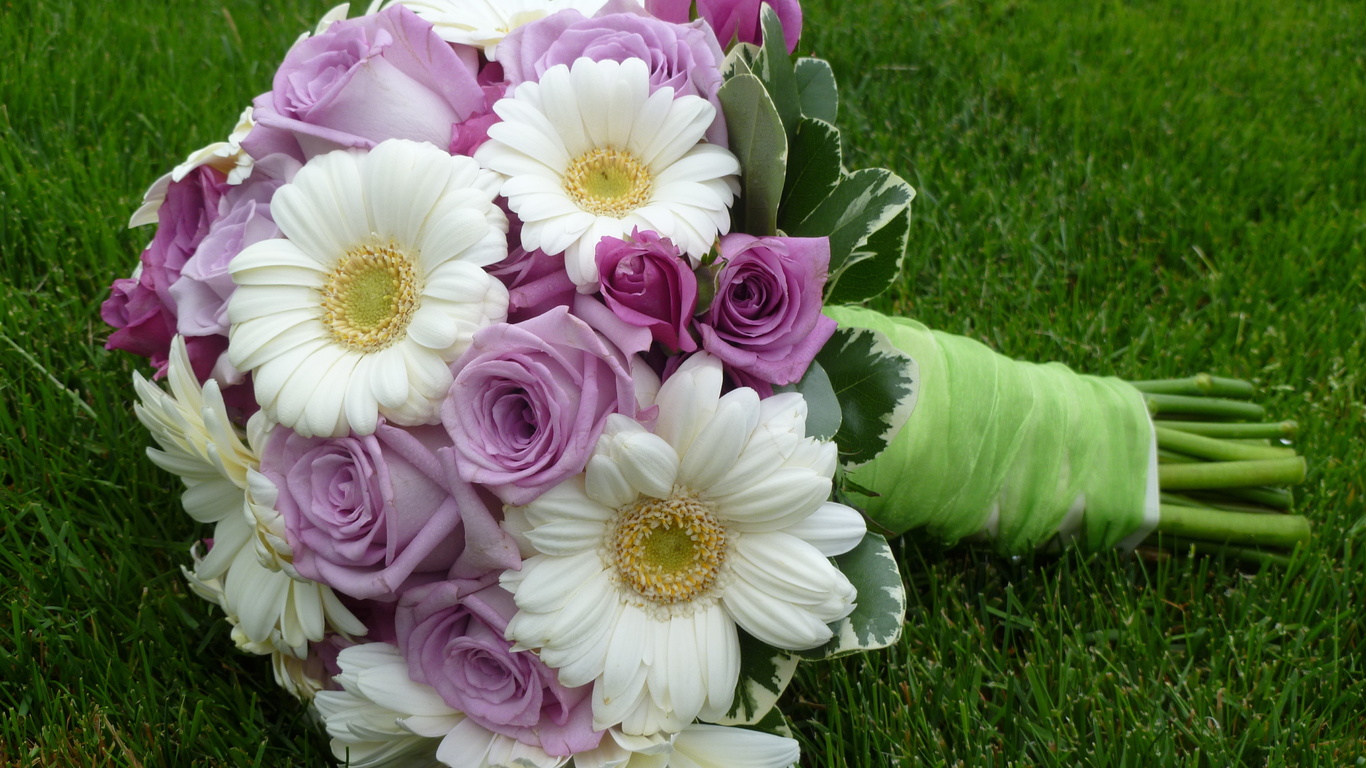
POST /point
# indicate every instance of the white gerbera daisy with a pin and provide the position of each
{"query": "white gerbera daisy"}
(377, 285)
(199, 442)
(270, 611)
(590, 153)
(649, 560)
(484, 23)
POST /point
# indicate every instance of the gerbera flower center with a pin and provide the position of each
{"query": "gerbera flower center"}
(668, 550)
(608, 182)
(370, 297)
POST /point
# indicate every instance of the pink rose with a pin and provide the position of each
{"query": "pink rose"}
(142, 309)
(451, 634)
(734, 19)
(648, 282)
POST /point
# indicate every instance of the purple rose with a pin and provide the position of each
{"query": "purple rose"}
(765, 319)
(201, 294)
(451, 634)
(648, 282)
(735, 19)
(682, 56)
(377, 77)
(142, 309)
(529, 401)
(370, 515)
(469, 135)
(536, 282)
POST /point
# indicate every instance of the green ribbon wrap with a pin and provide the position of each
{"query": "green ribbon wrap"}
(1017, 453)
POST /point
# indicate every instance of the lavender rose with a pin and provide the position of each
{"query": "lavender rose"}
(735, 19)
(201, 294)
(529, 401)
(765, 320)
(370, 515)
(384, 76)
(683, 56)
(451, 634)
(142, 309)
(648, 282)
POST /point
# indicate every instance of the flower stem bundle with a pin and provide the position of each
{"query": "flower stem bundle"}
(1026, 456)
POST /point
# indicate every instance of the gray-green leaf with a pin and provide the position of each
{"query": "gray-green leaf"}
(757, 138)
(774, 67)
(816, 85)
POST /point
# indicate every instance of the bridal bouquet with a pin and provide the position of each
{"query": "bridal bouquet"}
(503, 350)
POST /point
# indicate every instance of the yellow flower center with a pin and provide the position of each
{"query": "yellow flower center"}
(370, 297)
(668, 550)
(608, 182)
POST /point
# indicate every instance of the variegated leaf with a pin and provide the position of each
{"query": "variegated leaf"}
(765, 672)
(881, 610)
(876, 384)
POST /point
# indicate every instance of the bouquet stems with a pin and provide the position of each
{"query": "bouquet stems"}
(1224, 472)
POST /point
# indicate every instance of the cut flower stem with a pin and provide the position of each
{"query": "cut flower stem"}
(1223, 472)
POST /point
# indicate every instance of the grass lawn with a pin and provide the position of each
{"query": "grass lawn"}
(1140, 188)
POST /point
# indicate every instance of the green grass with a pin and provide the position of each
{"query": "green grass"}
(1135, 188)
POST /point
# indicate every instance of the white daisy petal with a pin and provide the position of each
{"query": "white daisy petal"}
(833, 529)
(780, 624)
(719, 445)
(606, 483)
(715, 746)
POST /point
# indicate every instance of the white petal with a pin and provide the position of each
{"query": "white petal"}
(718, 446)
(688, 400)
(322, 211)
(624, 677)
(548, 583)
(777, 501)
(606, 483)
(780, 624)
(833, 529)
(714, 746)
(648, 463)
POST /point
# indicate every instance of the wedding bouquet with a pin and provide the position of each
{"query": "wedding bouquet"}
(504, 353)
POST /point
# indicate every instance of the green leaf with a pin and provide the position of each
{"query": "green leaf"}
(739, 60)
(873, 268)
(757, 139)
(862, 204)
(775, 722)
(822, 407)
(881, 610)
(877, 386)
(765, 672)
(774, 67)
(820, 98)
(813, 170)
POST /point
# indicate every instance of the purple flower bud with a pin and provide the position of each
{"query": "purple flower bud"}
(648, 282)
